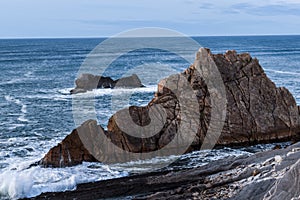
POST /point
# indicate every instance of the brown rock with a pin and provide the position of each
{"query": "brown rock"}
(257, 112)
(70, 151)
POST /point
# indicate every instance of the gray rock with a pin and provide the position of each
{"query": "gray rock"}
(287, 187)
(132, 81)
(259, 176)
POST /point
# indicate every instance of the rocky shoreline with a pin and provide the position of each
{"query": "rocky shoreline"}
(267, 175)
(257, 112)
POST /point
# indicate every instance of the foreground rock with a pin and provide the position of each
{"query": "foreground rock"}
(71, 150)
(257, 112)
(87, 82)
(267, 175)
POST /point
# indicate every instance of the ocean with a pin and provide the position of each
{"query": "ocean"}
(36, 108)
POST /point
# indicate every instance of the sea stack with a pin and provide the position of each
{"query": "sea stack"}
(86, 82)
(257, 112)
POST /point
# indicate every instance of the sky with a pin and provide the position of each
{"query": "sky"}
(103, 18)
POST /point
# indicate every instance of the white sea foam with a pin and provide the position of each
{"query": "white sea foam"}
(22, 116)
(118, 91)
(16, 80)
(64, 94)
(14, 126)
(65, 91)
(28, 74)
(49, 96)
(19, 182)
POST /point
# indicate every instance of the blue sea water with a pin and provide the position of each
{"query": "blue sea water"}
(36, 109)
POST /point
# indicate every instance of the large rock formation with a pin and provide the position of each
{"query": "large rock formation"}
(87, 82)
(257, 111)
(271, 175)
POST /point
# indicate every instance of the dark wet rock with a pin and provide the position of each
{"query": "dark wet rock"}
(132, 81)
(71, 150)
(77, 91)
(267, 175)
(87, 82)
(257, 112)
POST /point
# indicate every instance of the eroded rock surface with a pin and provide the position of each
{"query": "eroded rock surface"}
(71, 151)
(257, 111)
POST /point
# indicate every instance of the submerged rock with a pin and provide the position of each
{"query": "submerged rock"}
(87, 82)
(257, 112)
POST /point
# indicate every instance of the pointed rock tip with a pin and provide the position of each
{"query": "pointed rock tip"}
(203, 53)
(90, 121)
(206, 50)
(231, 52)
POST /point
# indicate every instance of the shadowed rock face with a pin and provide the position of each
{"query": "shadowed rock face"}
(257, 112)
(87, 82)
(71, 150)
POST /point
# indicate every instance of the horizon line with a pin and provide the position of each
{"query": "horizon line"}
(101, 37)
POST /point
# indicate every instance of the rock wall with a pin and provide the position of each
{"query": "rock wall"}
(257, 110)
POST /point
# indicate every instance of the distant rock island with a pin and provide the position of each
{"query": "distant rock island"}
(86, 82)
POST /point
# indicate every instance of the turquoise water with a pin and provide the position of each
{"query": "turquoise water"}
(36, 110)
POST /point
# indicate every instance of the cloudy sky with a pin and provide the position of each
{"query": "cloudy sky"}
(96, 18)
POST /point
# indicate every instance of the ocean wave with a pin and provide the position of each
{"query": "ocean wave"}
(65, 91)
(13, 81)
(23, 182)
(29, 74)
(22, 117)
(118, 91)
(282, 72)
(20, 80)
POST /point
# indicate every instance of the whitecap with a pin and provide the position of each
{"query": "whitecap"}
(28, 74)
(118, 91)
(12, 81)
(22, 118)
(20, 182)
(65, 91)
(22, 115)
(24, 108)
